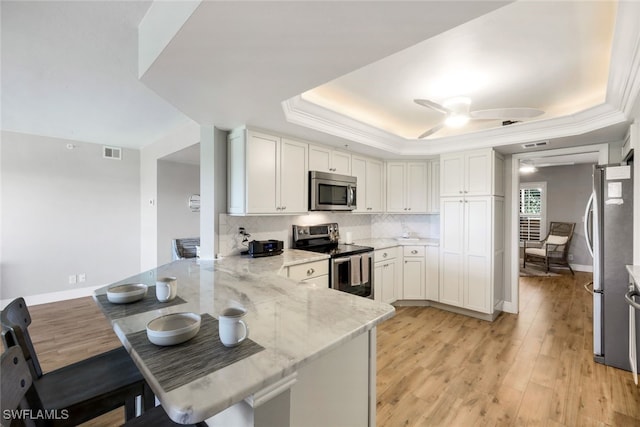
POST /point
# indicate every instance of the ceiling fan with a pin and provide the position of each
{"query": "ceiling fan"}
(457, 113)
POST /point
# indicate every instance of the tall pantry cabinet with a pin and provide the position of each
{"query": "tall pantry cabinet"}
(472, 230)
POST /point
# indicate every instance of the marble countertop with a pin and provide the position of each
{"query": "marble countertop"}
(382, 243)
(634, 271)
(294, 322)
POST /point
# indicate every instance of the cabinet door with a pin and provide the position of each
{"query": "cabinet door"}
(413, 278)
(416, 188)
(341, 162)
(319, 159)
(451, 175)
(263, 152)
(478, 176)
(395, 187)
(433, 278)
(451, 250)
(477, 254)
(433, 187)
(293, 177)
(375, 187)
(359, 170)
(378, 280)
(389, 275)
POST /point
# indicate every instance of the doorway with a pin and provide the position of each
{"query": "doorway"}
(178, 199)
(555, 168)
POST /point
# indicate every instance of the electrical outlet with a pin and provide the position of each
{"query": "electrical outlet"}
(82, 277)
(72, 279)
(570, 257)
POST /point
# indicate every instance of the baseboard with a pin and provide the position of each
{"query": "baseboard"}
(580, 267)
(54, 296)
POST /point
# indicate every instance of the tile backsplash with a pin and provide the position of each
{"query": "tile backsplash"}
(361, 226)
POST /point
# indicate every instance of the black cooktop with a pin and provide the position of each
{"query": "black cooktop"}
(338, 250)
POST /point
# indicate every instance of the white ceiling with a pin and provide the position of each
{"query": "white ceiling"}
(69, 69)
(526, 54)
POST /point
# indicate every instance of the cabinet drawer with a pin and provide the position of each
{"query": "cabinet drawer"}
(309, 270)
(384, 254)
(409, 251)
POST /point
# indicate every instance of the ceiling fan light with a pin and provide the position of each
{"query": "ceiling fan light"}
(456, 120)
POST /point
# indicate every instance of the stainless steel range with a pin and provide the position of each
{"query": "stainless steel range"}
(351, 266)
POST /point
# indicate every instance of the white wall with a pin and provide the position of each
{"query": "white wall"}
(180, 138)
(66, 212)
(176, 182)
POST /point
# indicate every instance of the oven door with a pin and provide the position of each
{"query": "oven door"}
(353, 274)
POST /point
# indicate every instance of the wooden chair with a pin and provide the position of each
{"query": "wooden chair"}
(16, 381)
(17, 393)
(554, 249)
(86, 389)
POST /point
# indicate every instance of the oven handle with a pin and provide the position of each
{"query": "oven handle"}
(334, 276)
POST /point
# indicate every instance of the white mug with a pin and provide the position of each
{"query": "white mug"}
(232, 329)
(166, 289)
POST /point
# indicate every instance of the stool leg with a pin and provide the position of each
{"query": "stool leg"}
(148, 398)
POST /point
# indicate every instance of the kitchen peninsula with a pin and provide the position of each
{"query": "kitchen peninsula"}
(315, 363)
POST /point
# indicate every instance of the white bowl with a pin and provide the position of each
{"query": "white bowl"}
(129, 292)
(173, 329)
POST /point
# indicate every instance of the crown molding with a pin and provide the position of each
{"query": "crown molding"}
(304, 113)
(623, 85)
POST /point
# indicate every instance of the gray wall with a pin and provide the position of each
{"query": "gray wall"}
(66, 212)
(176, 182)
(568, 190)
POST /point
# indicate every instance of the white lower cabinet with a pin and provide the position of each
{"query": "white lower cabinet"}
(386, 275)
(433, 277)
(312, 272)
(414, 273)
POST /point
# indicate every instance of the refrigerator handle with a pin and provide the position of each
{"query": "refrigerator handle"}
(629, 297)
(588, 217)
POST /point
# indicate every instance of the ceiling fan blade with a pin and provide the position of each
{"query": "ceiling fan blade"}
(433, 105)
(506, 113)
(431, 131)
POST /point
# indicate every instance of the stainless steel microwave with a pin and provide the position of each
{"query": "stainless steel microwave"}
(332, 192)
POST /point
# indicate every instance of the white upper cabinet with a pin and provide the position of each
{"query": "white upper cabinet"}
(433, 193)
(327, 160)
(472, 173)
(407, 187)
(369, 173)
(266, 174)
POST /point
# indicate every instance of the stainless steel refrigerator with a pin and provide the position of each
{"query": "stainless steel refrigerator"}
(609, 232)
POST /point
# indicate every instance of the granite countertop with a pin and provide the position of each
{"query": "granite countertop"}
(634, 271)
(287, 319)
(389, 242)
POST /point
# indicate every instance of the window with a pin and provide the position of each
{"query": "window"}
(532, 210)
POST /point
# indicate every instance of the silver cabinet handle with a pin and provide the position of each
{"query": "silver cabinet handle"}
(384, 255)
(284, 207)
(414, 251)
(310, 271)
(409, 209)
(629, 297)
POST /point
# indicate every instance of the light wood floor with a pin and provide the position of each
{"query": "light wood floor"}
(535, 368)
(441, 369)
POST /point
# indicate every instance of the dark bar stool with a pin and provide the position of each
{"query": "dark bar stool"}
(86, 389)
(18, 393)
